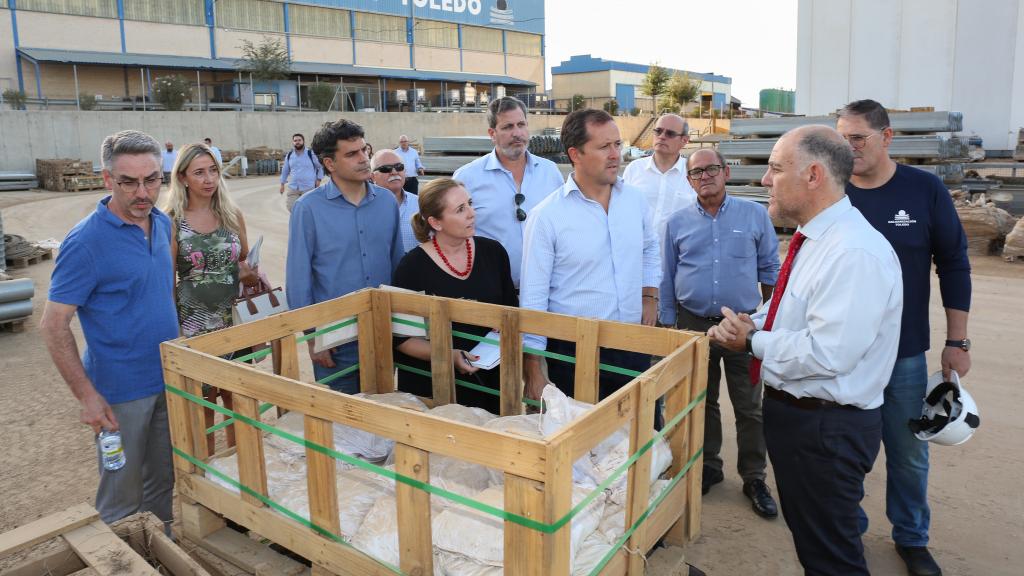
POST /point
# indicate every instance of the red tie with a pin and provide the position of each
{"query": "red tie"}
(780, 288)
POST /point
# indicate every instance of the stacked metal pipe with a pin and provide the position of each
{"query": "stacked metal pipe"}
(16, 298)
(905, 122)
(17, 181)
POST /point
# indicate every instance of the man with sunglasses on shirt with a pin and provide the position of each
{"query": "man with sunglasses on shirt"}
(915, 213)
(509, 181)
(389, 172)
(662, 176)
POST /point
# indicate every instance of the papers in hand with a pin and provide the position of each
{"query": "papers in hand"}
(400, 326)
(253, 259)
(489, 354)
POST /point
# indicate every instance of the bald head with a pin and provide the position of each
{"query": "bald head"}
(823, 145)
(671, 134)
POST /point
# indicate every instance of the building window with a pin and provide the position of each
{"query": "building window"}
(437, 34)
(250, 15)
(380, 28)
(523, 44)
(481, 39)
(166, 11)
(100, 8)
(316, 21)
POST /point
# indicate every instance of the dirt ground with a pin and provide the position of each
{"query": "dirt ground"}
(48, 462)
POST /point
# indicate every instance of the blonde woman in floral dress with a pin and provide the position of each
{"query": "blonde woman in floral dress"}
(208, 250)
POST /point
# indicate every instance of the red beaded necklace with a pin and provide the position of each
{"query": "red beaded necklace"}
(469, 258)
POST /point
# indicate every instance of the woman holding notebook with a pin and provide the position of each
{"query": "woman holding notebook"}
(453, 263)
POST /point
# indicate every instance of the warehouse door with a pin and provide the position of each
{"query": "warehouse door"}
(625, 94)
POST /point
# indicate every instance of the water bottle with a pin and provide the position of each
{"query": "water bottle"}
(111, 450)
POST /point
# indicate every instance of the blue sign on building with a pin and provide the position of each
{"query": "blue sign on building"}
(517, 15)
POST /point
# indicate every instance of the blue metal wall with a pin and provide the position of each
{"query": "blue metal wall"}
(625, 94)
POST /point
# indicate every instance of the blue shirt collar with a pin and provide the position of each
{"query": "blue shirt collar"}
(493, 163)
(825, 219)
(571, 185)
(721, 209)
(331, 191)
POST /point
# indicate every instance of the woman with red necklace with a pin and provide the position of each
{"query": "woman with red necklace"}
(453, 263)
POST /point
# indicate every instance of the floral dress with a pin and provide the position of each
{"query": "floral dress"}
(207, 278)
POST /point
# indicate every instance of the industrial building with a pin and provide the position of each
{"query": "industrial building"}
(379, 54)
(959, 55)
(599, 81)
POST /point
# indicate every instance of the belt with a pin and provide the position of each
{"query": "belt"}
(804, 403)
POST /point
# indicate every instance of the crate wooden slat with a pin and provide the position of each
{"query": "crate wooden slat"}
(538, 473)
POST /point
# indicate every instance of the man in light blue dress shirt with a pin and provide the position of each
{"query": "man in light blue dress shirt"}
(715, 253)
(590, 250)
(509, 182)
(389, 172)
(414, 166)
(342, 236)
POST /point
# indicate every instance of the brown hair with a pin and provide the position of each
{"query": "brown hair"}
(431, 197)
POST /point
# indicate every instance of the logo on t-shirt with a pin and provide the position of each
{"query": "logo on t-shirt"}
(902, 219)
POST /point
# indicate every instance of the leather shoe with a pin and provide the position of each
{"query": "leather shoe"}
(919, 560)
(761, 498)
(709, 478)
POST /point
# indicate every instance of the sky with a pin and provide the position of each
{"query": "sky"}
(751, 41)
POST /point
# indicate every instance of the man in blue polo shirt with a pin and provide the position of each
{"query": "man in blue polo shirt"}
(915, 213)
(114, 270)
(342, 236)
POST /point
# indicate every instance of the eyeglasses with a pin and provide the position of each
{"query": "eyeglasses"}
(131, 186)
(520, 213)
(387, 168)
(668, 133)
(711, 170)
(858, 141)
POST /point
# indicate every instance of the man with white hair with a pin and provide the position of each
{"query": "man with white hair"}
(114, 270)
(414, 166)
(389, 172)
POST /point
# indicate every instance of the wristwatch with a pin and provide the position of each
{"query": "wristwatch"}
(964, 344)
(750, 341)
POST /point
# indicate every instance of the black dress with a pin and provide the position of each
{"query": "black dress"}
(490, 281)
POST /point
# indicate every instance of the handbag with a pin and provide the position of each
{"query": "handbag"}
(258, 302)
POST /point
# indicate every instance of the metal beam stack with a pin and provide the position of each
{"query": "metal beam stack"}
(17, 181)
(445, 154)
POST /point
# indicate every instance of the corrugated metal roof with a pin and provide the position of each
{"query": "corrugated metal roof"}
(229, 64)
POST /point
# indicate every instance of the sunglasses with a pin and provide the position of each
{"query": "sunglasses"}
(520, 213)
(668, 133)
(387, 168)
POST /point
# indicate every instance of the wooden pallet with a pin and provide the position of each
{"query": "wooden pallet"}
(26, 261)
(17, 325)
(51, 172)
(537, 473)
(76, 541)
(80, 183)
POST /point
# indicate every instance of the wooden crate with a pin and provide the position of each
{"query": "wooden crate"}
(51, 172)
(537, 473)
(76, 541)
(79, 183)
(36, 257)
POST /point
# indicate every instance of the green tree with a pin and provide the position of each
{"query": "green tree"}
(578, 102)
(15, 99)
(321, 96)
(87, 101)
(655, 83)
(172, 92)
(612, 106)
(681, 91)
(267, 60)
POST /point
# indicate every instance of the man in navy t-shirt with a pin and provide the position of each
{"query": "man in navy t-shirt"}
(914, 211)
(114, 270)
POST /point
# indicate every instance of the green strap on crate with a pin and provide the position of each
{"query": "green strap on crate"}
(429, 488)
(465, 384)
(264, 353)
(275, 506)
(527, 349)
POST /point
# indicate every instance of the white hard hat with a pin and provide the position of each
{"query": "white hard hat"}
(949, 416)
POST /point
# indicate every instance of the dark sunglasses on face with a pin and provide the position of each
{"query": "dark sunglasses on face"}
(520, 213)
(668, 133)
(711, 170)
(387, 168)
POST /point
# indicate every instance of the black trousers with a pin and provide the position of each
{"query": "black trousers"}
(563, 374)
(820, 459)
(412, 184)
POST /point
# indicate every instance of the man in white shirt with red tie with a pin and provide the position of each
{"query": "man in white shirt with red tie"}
(824, 348)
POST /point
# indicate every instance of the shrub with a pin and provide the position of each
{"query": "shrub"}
(321, 96)
(15, 99)
(87, 101)
(172, 92)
